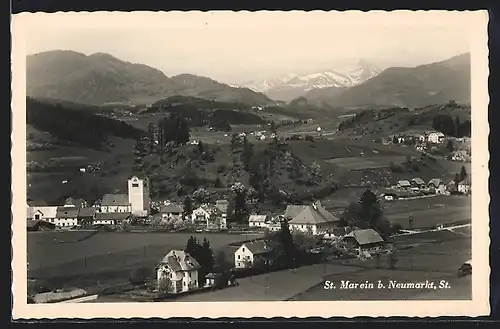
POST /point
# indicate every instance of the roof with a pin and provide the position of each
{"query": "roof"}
(67, 212)
(112, 215)
(418, 181)
(115, 200)
(210, 208)
(436, 182)
(46, 211)
(171, 208)
(466, 181)
(293, 210)
(87, 212)
(363, 237)
(404, 182)
(314, 214)
(178, 260)
(257, 218)
(258, 247)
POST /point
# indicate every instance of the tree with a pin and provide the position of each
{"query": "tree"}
(200, 147)
(456, 180)
(449, 145)
(201, 195)
(187, 207)
(463, 173)
(273, 127)
(240, 206)
(221, 261)
(315, 172)
(289, 248)
(151, 138)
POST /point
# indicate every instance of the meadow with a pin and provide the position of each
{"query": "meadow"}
(369, 162)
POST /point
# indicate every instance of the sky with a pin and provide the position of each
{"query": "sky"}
(239, 47)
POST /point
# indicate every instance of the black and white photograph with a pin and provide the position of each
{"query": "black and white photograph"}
(274, 157)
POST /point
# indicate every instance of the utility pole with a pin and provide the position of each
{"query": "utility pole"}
(410, 222)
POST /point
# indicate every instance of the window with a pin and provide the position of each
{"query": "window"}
(135, 184)
(170, 275)
(243, 249)
(238, 256)
(37, 216)
(195, 282)
(184, 283)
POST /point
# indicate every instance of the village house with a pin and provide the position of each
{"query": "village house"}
(258, 221)
(171, 211)
(66, 217)
(45, 213)
(364, 240)
(403, 184)
(110, 218)
(205, 213)
(253, 253)
(465, 186)
(314, 219)
(417, 182)
(437, 186)
(179, 270)
(113, 203)
(86, 216)
(435, 137)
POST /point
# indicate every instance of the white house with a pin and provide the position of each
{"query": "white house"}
(435, 137)
(250, 253)
(404, 184)
(112, 203)
(66, 217)
(314, 219)
(204, 213)
(437, 185)
(171, 211)
(464, 186)
(138, 196)
(179, 271)
(258, 221)
(110, 218)
(46, 213)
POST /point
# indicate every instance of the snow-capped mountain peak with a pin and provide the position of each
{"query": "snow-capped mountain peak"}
(340, 76)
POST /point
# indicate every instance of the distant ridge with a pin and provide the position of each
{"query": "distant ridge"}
(101, 78)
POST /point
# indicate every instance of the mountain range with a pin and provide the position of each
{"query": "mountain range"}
(100, 78)
(410, 87)
(291, 86)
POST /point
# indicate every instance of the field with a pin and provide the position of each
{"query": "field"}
(56, 257)
(369, 162)
(434, 258)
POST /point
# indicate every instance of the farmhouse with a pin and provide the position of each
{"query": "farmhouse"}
(464, 186)
(254, 253)
(171, 211)
(110, 218)
(113, 203)
(86, 216)
(417, 182)
(258, 221)
(46, 213)
(314, 219)
(435, 137)
(366, 240)
(437, 186)
(66, 216)
(206, 214)
(404, 184)
(177, 272)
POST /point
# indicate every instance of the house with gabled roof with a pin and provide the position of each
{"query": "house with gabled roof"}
(179, 271)
(255, 253)
(404, 184)
(465, 186)
(258, 220)
(437, 186)
(66, 217)
(417, 182)
(45, 213)
(115, 203)
(314, 219)
(367, 239)
(171, 211)
(111, 218)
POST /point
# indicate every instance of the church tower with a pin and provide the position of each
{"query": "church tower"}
(138, 196)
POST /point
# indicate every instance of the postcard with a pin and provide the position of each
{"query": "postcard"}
(254, 164)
